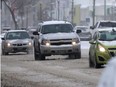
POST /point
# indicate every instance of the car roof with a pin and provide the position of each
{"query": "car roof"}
(55, 22)
(106, 21)
(107, 29)
(17, 31)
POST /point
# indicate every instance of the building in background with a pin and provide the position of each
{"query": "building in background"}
(43, 10)
(77, 15)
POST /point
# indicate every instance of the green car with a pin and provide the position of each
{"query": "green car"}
(102, 48)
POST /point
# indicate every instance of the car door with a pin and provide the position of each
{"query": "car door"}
(93, 46)
(37, 39)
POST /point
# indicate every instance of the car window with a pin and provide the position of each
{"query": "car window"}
(107, 35)
(62, 28)
(17, 35)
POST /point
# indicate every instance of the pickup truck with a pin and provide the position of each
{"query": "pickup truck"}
(102, 24)
(56, 38)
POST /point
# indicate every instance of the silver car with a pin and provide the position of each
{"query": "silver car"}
(85, 33)
(16, 41)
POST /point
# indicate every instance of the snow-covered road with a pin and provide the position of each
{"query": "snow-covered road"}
(85, 48)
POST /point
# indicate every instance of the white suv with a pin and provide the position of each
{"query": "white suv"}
(56, 38)
(103, 25)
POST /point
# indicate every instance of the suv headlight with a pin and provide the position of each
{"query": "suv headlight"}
(75, 41)
(30, 44)
(101, 48)
(8, 44)
(45, 42)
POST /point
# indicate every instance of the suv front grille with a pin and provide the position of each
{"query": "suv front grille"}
(61, 42)
(19, 44)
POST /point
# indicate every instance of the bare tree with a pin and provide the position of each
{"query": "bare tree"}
(12, 13)
(17, 5)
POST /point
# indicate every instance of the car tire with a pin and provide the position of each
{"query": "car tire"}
(75, 56)
(90, 62)
(95, 64)
(79, 55)
(38, 55)
(4, 53)
(41, 56)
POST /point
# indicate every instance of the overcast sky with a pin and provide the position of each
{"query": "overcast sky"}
(88, 2)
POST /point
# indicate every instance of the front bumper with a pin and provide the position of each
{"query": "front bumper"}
(14, 49)
(103, 57)
(60, 50)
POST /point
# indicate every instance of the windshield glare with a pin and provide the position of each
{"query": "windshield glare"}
(17, 35)
(107, 24)
(62, 28)
(107, 36)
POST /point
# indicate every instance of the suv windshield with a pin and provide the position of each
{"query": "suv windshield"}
(17, 35)
(107, 24)
(107, 35)
(62, 28)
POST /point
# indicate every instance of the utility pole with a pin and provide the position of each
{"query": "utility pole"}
(22, 15)
(27, 17)
(51, 9)
(72, 11)
(41, 19)
(58, 9)
(104, 9)
(93, 14)
(64, 12)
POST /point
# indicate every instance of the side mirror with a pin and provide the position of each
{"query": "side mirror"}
(78, 31)
(32, 37)
(3, 38)
(35, 33)
(92, 27)
(92, 42)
